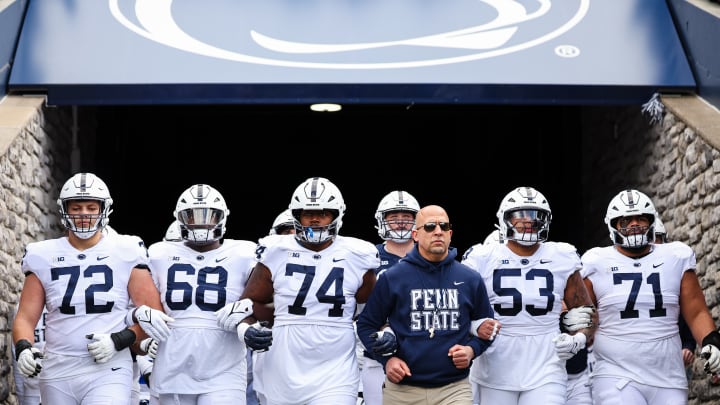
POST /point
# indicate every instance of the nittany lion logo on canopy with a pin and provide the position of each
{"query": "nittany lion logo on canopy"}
(337, 34)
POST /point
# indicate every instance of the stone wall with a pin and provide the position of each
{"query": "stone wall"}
(35, 149)
(670, 162)
(680, 171)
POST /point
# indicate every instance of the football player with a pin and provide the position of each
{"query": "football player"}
(314, 279)
(641, 289)
(87, 280)
(284, 224)
(200, 363)
(527, 278)
(395, 218)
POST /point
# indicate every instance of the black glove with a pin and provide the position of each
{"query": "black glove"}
(385, 342)
(256, 336)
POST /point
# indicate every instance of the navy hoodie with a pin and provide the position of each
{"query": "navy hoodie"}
(413, 296)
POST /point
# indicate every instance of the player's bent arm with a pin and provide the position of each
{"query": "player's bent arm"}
(694, 308)
(577, 295)
(591, 291)
(576, 292)
(149, 313)
(697, 316)
(142, 289)
(30, 308)
(140, 335)
(259, 289)
(362, 294)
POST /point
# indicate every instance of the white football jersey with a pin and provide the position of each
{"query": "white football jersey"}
(85, 292)
(199, 356)
(526, 293)
(638, 309)
(313, 350)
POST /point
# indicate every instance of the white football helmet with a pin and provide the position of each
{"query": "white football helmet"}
(85, 186)
(282, 222)
(493, 238)
(173, 233)
(202, 213)
(630, 203)
(525, 202)
(395, 201)
(660, 231)
(317, 193)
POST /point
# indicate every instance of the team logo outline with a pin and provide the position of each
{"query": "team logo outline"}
(159, 26)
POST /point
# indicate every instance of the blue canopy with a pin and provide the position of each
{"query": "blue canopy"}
(133, 52)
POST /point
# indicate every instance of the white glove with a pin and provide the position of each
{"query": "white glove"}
(153, 322)
(577, 318)
(29, 362)
(229, 316)
(102, 348)
(150, 347)
(567, 346)
(711, 353)
(145, 366)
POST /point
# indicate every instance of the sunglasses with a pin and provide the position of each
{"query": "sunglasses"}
(430, 226)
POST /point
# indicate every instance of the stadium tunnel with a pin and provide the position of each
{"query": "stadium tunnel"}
(457, 103)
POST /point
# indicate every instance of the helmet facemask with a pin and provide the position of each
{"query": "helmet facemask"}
(84, 226)
(316, 234)
(201, 226)
(531, 226)
(202, 214)
(633, 237)
(398, 230)
(530, 204)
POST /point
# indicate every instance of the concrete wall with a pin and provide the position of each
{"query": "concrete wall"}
(675, 162)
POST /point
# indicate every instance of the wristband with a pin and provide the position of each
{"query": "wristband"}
(123, 339)
(242, 328)
(712, 338)
(130, 317)
(474, 325)
(21, 345)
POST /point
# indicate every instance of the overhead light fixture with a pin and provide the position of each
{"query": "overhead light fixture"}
(326, 107)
